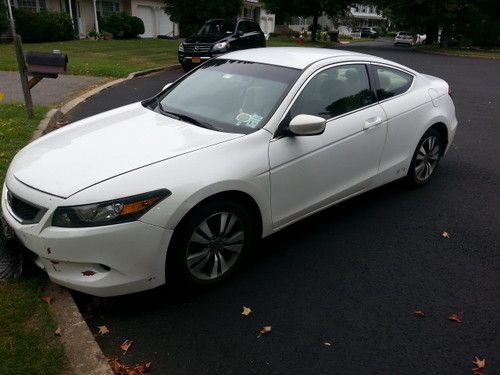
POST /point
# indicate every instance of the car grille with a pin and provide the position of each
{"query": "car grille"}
(25, 212)
(197, 47)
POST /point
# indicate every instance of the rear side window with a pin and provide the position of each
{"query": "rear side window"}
(392, 82)
(244, 27)
(334, 91)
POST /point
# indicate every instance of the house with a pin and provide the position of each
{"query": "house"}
(86, 13)
(255, 10)
(358, 15)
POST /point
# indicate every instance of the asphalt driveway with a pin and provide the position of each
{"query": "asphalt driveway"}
(351, 276)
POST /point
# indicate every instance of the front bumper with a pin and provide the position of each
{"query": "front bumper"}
(103, 261)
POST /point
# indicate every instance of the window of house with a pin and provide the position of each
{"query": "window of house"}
(334, 91)
(107, 8)
(33, 5)
(392, 82)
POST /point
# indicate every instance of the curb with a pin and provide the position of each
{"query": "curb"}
(81, 349)
(54, 115)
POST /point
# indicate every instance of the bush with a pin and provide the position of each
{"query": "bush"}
(4, 21)
(44, 26)
(122, 25)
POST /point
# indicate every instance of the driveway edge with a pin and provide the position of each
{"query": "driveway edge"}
(84, 355)
(54, 115)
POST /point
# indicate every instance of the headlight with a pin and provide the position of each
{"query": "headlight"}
(106, 213)
(220, 47)
(181, 47)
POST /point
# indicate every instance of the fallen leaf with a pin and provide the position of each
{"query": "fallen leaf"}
(102, 330)
(455, 318)
(126, 344)
(480, 366)
(264, 331)
(328, 344)
(2, 95)
(445, 235)
(48, 299)
(419, 313)
(58, 331)
(246, 311)
(120, 369)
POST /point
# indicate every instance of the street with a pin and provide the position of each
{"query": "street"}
(340, 288)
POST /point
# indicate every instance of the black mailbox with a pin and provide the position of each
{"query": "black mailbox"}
(46, 64)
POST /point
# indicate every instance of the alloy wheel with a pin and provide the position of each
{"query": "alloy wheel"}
(427, 158)
(215, 245)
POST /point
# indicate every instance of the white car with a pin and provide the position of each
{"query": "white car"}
(403, 37)
(180, 187)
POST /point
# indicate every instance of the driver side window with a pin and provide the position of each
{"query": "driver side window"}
(335, 91)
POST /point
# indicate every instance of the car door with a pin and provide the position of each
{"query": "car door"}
(242, 41)
(310, 172)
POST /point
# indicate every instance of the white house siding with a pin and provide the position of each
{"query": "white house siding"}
(255, 10)
(156, 21)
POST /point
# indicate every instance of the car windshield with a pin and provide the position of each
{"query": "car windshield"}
(217, 27)
(227, 95)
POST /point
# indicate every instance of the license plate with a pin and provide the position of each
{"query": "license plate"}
(5, 230)
(195, 60)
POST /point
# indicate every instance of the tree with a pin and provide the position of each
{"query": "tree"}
(4, 20)
(308, 8)
(460, 21)
(191, 14)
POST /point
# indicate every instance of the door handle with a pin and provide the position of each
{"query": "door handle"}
(372, 122)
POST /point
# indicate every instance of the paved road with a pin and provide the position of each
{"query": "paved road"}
(352, 275)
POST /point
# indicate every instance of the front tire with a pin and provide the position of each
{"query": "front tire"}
(210, 244)
(425, 158)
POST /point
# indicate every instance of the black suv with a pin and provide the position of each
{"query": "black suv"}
(218, 36)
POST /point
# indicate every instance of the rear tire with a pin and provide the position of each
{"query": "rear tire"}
(425, 158)
(210, 244)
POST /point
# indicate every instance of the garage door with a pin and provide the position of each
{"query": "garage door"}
(147, 15)
(166, 26)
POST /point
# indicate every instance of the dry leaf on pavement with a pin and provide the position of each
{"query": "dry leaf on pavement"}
(58, 331)
(48, 299)
(120, 369)
(419, 313)
(246, 311)
(455, 318)
(264, 331)
(480, 366)
(445, 235)
(102, 330)
(126, 344)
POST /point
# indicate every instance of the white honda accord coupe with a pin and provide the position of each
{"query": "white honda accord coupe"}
(181, 186)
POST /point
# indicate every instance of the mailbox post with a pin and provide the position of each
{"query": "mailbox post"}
(40, 65)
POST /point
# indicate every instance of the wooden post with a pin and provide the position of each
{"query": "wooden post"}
(23, 74)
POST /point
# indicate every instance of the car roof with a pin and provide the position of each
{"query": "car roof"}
(294, 57)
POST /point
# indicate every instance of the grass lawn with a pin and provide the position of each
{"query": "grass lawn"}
(492, 54)
(108, 58)
(27, 341)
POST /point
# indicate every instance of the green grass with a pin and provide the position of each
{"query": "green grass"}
(27, 341)
(108, 58)
(471, 52)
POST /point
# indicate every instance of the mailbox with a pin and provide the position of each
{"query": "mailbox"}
(46, 64)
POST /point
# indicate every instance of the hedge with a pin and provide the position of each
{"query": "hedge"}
(43, 26)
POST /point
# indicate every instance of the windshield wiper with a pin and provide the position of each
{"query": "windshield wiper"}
(183, 117)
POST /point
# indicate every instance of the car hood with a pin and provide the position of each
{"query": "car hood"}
(107, 145)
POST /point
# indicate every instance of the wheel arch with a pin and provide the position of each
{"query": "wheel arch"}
(443, 131)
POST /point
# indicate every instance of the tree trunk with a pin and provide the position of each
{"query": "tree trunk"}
(314, 27)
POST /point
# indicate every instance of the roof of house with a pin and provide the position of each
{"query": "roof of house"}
(292, 57)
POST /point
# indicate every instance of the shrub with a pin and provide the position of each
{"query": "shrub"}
(122, 25)
(4, 21)
(44, 26)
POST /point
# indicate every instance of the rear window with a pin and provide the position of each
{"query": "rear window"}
(392, 82)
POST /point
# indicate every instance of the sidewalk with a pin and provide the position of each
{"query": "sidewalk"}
(49, 92)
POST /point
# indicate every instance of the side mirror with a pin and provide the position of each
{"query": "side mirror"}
(167, 86)
(239, 34)
(307, 125)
